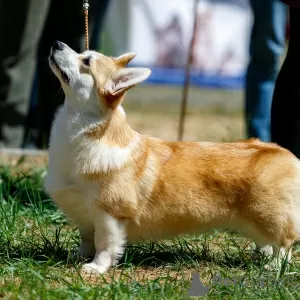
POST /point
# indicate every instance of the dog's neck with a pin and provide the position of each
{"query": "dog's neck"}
(110, 127)
(113, 130)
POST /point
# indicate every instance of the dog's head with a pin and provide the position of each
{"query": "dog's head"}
(92, 81)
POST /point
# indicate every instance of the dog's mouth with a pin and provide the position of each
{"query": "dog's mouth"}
(64, 75)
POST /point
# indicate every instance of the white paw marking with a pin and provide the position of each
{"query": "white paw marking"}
(93, 268)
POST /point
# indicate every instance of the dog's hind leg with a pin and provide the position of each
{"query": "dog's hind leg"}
(266, 250)
(263, 251)
(281, 256)
(276, 256)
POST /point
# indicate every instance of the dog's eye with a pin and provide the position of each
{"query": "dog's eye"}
(86, 61)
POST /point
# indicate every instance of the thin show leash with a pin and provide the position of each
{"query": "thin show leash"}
(86, 17)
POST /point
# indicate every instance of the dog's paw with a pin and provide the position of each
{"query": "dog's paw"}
(269, 267)
(275, 265)
(93, 268)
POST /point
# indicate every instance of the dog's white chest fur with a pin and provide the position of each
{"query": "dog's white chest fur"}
(66, 137)
(59, 171)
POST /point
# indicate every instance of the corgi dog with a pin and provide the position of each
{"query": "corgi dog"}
(120, 186)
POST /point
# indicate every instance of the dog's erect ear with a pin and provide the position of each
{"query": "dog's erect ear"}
(124, 60)
(126, 79)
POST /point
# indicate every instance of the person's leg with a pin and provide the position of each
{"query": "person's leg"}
(65, 23)
(30, 131)
(21, 24)
(285, 116)
(266, 44)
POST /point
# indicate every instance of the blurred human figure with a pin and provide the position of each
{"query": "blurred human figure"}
(27, 31)
(285, 113)
(21, 25)
(267, 43)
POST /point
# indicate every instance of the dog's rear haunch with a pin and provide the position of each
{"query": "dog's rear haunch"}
(118, 185)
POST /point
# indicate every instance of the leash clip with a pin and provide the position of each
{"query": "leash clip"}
(85, 5)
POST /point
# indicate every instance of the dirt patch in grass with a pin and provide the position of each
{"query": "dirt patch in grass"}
(26, 162)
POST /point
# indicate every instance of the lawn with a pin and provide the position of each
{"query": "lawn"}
(38, 245)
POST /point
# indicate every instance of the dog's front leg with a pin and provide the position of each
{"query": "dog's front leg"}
(109, 242)
(73, 204)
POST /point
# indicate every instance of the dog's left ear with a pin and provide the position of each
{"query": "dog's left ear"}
(122, 81)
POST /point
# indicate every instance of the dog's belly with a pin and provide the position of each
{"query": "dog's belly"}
(149, 231)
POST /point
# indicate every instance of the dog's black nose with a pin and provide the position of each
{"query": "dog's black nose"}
(58, 45)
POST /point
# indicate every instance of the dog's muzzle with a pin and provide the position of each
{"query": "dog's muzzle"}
(58, 46)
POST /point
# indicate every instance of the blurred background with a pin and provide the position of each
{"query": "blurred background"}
(224, 100)
(160, 33)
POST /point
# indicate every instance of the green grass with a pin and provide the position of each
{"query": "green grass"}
(37, 260)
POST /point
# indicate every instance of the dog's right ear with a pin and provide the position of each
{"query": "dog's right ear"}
(121, 82)
(112, 82)
(126, 79)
